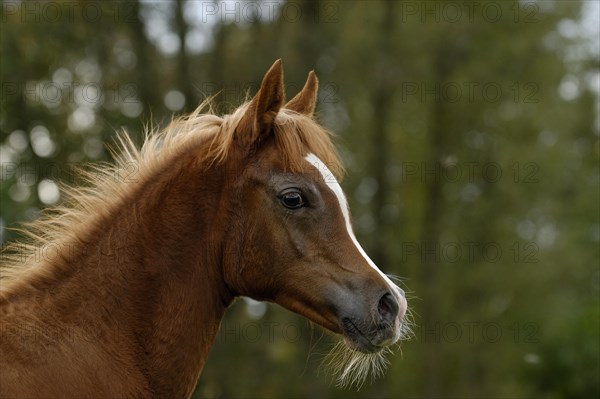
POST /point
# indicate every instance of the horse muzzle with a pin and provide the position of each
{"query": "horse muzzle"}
(371, 328)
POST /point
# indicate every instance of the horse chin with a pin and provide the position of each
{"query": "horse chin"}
(351, 363)
(361, 345)
(356, 340)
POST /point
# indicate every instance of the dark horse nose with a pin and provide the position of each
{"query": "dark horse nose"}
(388, 309)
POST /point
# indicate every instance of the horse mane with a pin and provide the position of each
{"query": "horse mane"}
(107, 184)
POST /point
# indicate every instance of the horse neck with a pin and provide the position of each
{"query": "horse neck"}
(182, 236)
(153, 269)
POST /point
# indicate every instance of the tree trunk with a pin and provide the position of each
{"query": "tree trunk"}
(432, 227)
(184, 81)
(382, 100)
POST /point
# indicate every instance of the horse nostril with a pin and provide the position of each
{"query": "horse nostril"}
(388, 308)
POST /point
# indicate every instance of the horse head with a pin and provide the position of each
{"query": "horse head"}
(290, 232)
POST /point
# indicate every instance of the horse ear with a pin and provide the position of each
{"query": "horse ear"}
(306, 101)
(264, 106)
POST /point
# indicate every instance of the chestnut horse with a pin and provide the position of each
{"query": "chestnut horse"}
(120, 291)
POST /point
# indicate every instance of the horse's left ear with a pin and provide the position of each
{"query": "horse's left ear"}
(306, 101)
(263, 108)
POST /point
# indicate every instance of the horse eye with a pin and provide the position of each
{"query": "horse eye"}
(292, 200)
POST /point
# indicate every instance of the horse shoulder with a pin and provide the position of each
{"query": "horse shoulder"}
(40, 357)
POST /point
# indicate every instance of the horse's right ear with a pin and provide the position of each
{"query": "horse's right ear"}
(257, 122)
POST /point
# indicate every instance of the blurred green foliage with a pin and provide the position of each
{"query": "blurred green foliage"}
(470, 132)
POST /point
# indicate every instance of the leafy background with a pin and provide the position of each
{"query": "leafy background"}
(470, 131)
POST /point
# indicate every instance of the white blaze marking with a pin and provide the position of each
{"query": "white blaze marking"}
(334, 186)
